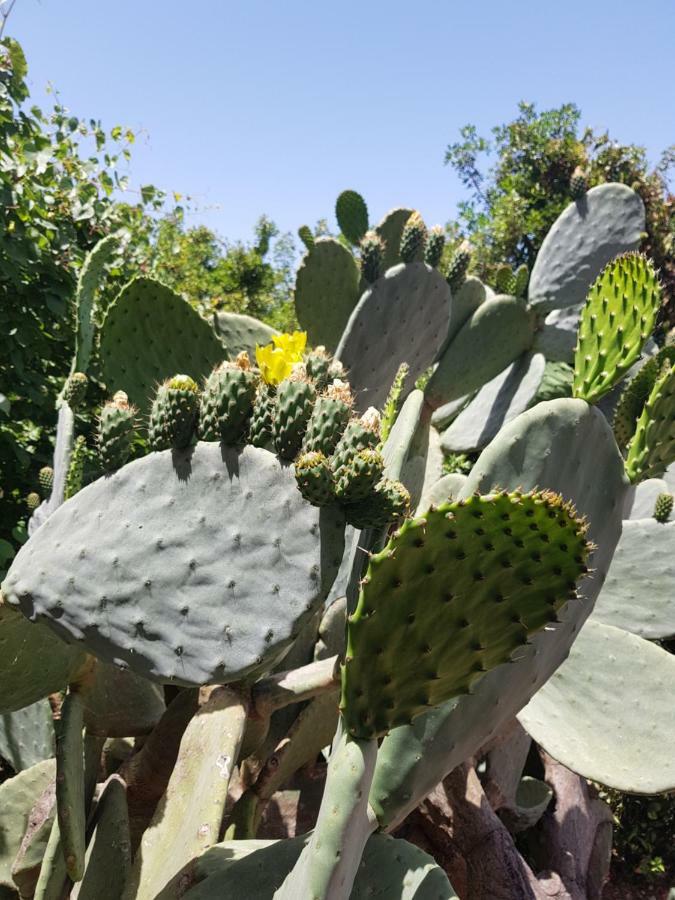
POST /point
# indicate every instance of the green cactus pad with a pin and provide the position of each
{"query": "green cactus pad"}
(326, 291)
(88, 315)
(351, 213)
(148, 334)
(27, 735)
(70, 800)
(227, 403)
(389, 869)
(608, 709)
(306, 236)
(585, 237)
(465, 302)
(390, 230)
(173, 418)
(240, 334)
(22, 643)
(544, 448)
(260, 431)
(616, 321)
(315, 478)
(108, 858)
(652, 447)
(464, 588)
(640, 586)
(633, 399)
(226, 565)
(403, 317)
(496, 403)
(17, 796)
(491, 338)
(292, 411)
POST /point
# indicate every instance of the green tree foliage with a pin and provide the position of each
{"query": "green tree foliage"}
(513, 203)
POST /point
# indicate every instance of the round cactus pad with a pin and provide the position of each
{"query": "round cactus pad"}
(607, 221)
(451, 596)
(240, 333)
(150, 333)
(403, 317)
(191, 567)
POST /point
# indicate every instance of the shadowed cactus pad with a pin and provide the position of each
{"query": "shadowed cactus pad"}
(174, 413)
(451, 596)
(616, 321)
(195, 567)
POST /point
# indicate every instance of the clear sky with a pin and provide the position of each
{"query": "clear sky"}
(276, 106)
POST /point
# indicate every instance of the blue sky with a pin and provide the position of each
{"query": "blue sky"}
(275, 107)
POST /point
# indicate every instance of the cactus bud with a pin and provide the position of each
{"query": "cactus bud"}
(173, 417)
(116, 431)
(46, 479)
(315, 478)
(33, 501)
(412, 238)
(458, 266)
(372, 254)
(433, 247)
(75, 389)
(360, 475)
(578, 183)
(227, 401)
(663, 507)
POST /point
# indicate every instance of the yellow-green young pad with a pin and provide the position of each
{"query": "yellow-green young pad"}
(239, 333)
(652, 447)
(326, 291)
(389, 869)
(403, 317)
(609, 220)
(608, 712)
(450, 597)
(150, 333)
(196, 567)
(17, 796)
(34, 662)
(616, 321)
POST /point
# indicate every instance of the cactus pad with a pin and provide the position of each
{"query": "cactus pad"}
(632, 400)
(226, 564)
(27, 735)
(240, 334)
(608, 221)
(326, 291)
(463, 588)
(17, 796)
(403, 317)
(351, 213)
(148, 334)
(652, 447)
(492, 337)
(616, 321)
(390, 230)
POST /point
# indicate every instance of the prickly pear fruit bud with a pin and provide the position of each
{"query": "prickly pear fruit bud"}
(260, 432)
(663, 507)
(372, 254)
(433, 247)
(33, 501)
(360, 434)
(227, 401)
(46, 479)
(329, 418)
(359, 476)
(173, 417)
(116, 431)
(458, 266)
(521, 278)
(505, 281)
(578, 183)
(315, 478)
(75, 473)
(295, 401)
(75, 389)
(387, 504)
(336, 370)
(412, 238)
(317, 364)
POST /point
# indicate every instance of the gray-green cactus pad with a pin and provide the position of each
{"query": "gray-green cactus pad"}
(445, 489)
(34, 662)
(465, 302)
(496, 403)
(390, 230)
(403, 317)
(27, 735)
(150, 333)
(239, 333)
(495, 335)
(557, 337)
(608, 712)
(639, 593)
(17, 796)
(326, 291)
(444, 415)
(546, 448)
(607, 221)
(119, 703)
(390, 868)
(194, 567)
(641, 500)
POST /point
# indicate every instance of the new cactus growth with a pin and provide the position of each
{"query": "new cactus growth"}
(32, 500)
(372, 254)
(227, 401)
(578, 183)
(315, 478)
(458, 266)
(292, 411)
(75, 389)
(387, 504)
(116, 428)
(360, 434)
(359, 476)
(46, 479)
(76, 467)
(433, 246)
(663, 507)
(260, 432)
(317, 363)
(332, 410)
(175, 409)
(351, 213)
(505, 280)
(413, 238)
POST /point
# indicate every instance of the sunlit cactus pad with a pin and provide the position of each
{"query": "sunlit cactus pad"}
(450, 597)
(191, 567)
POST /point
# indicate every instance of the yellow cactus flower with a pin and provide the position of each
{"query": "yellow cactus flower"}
(292, 344)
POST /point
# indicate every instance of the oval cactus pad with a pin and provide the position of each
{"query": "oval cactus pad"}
(191, 567)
